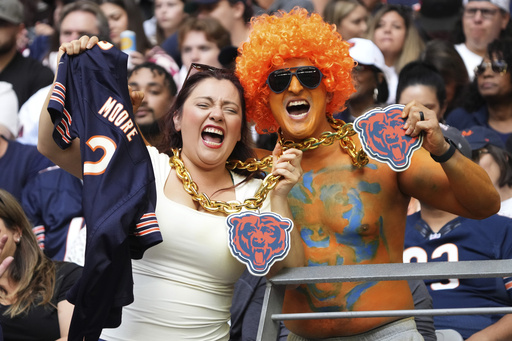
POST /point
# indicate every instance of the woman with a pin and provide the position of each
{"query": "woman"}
(184, 285)
(489, 101)
(491, 154)
(420, 81)
(393, 31)
(349, 16)
(125, 15)
(369, 80)
(169, 15)
(445, 58)
(33, 289)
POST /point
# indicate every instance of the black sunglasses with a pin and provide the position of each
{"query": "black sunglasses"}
(497, 66)
(309, 76)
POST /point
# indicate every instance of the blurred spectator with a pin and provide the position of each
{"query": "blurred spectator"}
(434, 235)
(393, 31)
(443, 56)
(125, 15)
(18, 163)
(369, 80)
(436, 19)
(420, 81)
(349, 16)
(51, 197)
(25, 74)
(77, 18)
(8, 115)
(272, 6)
(168, 16)
(489, 152)
(159, 91)
(46, 32)
(319, 5)
(482, 22)
(200, 41)
(489, 102)
(234, 15)
(372, 6)
(33, 296)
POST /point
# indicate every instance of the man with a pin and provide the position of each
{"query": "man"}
(25, 74)
(77, 19)
(159, 91)
(482, 22)
(347, 212)
(434, 235)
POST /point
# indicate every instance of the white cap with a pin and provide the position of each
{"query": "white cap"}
(364, 51)
(503, 4)
(8, 108)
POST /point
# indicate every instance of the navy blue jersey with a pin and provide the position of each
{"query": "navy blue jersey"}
(53, 201)
(463, 239)
(90, 100)
(19, 165)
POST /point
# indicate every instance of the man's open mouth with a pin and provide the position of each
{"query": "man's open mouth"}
(298, 108)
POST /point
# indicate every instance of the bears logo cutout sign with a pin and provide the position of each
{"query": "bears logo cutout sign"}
(383, 137)
(259, 240)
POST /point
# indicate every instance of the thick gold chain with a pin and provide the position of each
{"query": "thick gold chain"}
(228, 207)
(343, 133)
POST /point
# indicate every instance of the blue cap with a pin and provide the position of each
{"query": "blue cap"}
(456, 137)
(480, 136)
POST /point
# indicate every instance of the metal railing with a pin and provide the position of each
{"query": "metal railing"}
(274, 294)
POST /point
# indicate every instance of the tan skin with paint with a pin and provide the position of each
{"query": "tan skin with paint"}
(357, 216)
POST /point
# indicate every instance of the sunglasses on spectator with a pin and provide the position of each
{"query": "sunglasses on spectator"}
(362, 67)
(196, 68)
(309, 76)
(477, 154)
(487, 13)
(497, 66)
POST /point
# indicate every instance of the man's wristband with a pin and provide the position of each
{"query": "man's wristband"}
(446, 156)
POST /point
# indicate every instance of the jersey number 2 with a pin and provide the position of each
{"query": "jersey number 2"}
(109, 148)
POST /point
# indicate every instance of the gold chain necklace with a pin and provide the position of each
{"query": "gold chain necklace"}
(343, 133)
(226, 207)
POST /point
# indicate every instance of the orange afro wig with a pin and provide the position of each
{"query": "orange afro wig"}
(296, 34)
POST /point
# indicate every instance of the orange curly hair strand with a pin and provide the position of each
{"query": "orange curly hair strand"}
(296, 34)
